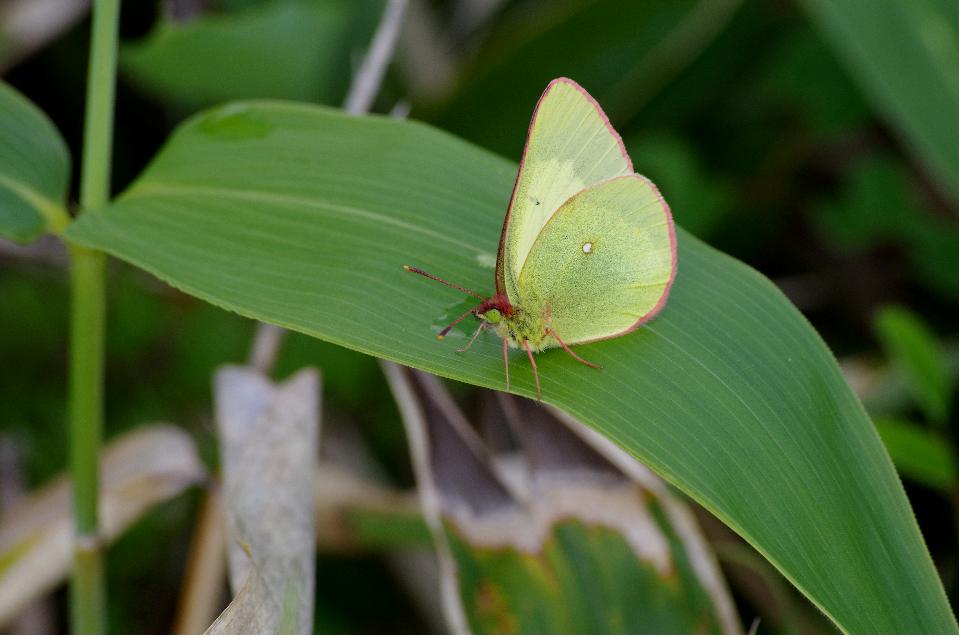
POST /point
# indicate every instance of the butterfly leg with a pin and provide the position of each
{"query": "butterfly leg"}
(570, 351)
(481, 326)
(534, 368)
(507, 377)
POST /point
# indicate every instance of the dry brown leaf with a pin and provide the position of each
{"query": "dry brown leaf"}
(138, 470)
(269, 440)
(510, 493)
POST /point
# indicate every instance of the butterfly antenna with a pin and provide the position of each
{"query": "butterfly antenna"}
(444, 333)
(418, 271)
(534, 368)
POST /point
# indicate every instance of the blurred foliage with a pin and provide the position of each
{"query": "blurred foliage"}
(773, 137)
(149, 561)
(507, 592)
(904, 57)
(920, 454)
(914, 351)
(34, 165)
(675, 166)
(287, 49)
(878, 207)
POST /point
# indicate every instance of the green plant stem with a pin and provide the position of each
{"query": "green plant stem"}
(99, 119)
(88, 594)
(88, 590)
(86, 383)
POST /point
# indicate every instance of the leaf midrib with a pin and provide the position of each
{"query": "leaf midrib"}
(54, 215)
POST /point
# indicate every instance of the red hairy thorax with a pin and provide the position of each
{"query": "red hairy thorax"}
(497, 302)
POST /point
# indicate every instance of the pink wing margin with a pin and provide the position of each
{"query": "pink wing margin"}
(499, 268)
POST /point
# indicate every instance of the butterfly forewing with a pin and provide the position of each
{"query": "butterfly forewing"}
(603, 263)
(570, 146)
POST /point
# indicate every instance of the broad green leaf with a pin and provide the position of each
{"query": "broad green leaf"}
(34, 170)
(302, 216)
(920, 454)
(291, 49)
(903, 54)
(915, 352)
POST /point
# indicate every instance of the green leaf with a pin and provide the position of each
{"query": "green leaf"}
(34, 170)
(920, 454)
(585, 579)
(915, 351)
(291, 49)
(303, 217)
(903, 54)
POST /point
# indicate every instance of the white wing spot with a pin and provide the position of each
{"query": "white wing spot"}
(587, 248)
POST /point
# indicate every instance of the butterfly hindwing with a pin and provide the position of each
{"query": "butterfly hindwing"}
(570, 146)
(603, 263)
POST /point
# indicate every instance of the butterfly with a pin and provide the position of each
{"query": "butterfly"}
(587, 249)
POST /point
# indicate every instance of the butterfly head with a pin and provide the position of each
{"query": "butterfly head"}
(492, 316)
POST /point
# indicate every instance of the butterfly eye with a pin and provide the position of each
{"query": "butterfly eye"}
(493, 316)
